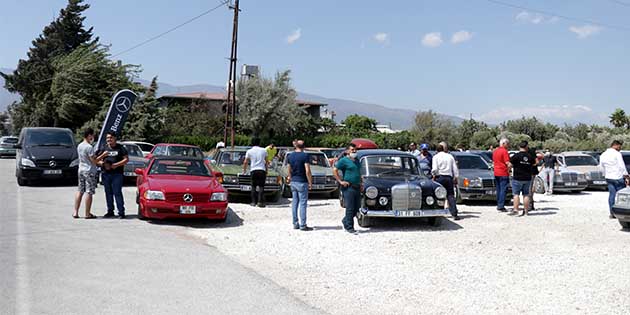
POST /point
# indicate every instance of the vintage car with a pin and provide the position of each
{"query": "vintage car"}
(136, 159)
(144, 146)
(173, 149)
(323, 180)
(393, 187)
(7, 146)
(476, 178)
(180, 187)
(565, 180)
(586, 164)
(230, 163)
(621, 209)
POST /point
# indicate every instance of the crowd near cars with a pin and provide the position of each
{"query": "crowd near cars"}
(180, 180)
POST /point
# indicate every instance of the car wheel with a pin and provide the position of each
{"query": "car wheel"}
(335, 194)
(364, 221)
(624, 224)
(21, 181)
(539, 186)
(435, 221)
(286, 191)
(140, 215)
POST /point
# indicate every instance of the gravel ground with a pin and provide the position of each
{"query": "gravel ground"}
(566, 258)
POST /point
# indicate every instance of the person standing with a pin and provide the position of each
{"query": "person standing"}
(445, 172)
(425, 159)
(257, 157)
(350, 185)
(112, 160)
(615, 172)
(301, 181)
(548, 173)
(87, 175)
(272, 151)
(413, 149)
(501, 162)
(523, 163)
(537, 157)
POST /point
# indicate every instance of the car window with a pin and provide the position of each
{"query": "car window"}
(580, 161)
(185, 151)
(179, 167)
(133, 150)
(231, 158)
(36, 138)
(471, 162)
(383, 165)
(145, 147)
(159, 150)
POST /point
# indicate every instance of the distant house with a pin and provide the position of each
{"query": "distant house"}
(218, 99)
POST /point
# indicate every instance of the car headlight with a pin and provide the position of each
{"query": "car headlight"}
(74, 163)
(154, 195)
(440, 192)
(588, 176)
(272, 180)
(383, 201)
(473, 182)
(430, 200)
(221, 196)
(228, 179)
(371, 192)
(27, 162)
(330, 180)
(581, 177)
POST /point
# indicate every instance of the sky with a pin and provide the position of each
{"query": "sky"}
(468, 57)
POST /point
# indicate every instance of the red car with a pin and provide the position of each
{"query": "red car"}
(172, 149)
(180, 187)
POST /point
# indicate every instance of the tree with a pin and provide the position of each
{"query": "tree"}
(3, 121)
(532, 127)
(33, 77)
(144, 122)
(431, 128)
(357, 124)
(467, 129)
(619, 119)
(267, 107)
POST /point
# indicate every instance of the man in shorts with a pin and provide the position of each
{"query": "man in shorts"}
(523, 163)
(87, 175)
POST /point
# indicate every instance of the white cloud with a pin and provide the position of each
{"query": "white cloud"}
(293, 37)
(461, 36)
(534, 18)
(381, 37)
(585, 31)
(432, 39)
(558, 114)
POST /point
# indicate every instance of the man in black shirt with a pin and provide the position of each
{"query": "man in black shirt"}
(522, 164)
(112, 160)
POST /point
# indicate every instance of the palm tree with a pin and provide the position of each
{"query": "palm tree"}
(619, 118)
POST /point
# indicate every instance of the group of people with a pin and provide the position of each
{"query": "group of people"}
(111, 161)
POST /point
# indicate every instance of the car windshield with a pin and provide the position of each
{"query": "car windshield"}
(53, 138)
(317, 159)
(486, 155)
(145, 147)
(332, 153)
(9, 140)
(468, 162)
(185, 151)
(626, 159)
(580, 161)
(232, 157)
(384, 165)
(179, 167)
(133, 150)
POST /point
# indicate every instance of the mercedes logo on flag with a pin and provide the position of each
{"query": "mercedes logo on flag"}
(188, 197)
(52, 163)
(123, 104)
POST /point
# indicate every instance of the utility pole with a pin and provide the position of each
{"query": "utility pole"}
(230, 109)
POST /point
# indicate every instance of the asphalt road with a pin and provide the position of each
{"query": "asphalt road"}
(51, 263)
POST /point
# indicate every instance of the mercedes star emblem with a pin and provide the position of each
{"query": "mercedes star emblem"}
(188, 197)
(52, 163)
(123, 104)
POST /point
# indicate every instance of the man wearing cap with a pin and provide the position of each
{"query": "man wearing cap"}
(425, 159)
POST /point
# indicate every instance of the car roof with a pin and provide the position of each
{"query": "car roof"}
(175, 157)
(362, 153)
(457, 153)
(138, 142)
(177, 145)
(128, 143)
(575, 154)
(236, 149)
(46, 128)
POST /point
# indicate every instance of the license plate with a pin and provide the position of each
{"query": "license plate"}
(246, 188)
(491, 192)
(570, 184)
(319, 186)
(187, 209)
(130, 174)
(408, 213)
(52, 172)
(600, 182)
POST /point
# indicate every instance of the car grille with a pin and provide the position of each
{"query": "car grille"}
(46, 163)
(244, 180)
(319, 180)
(487, 183)
(597, 176)
(570, 177)
(405, 197)
(179, 197)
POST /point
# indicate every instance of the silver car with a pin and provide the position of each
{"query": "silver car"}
(136, 159)
(323, 180)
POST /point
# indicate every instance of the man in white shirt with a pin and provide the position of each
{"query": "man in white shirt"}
(445, 172)
(257, 157)
(612, 164)
(413, 149)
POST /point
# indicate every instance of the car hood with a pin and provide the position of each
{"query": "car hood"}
(476, 173)
(321, 170)
(59, 153)
(183, 182)
(138, 160)
(584, 169)
(388, 182)
(228, 169)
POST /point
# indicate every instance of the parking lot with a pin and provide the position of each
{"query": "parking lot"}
(565, 258)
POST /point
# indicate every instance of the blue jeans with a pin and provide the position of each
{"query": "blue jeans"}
(614, 185)
(113, 188)
(502, 183)
(352, 200)
(300, 198)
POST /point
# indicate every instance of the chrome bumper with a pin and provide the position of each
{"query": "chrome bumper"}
(420, 213)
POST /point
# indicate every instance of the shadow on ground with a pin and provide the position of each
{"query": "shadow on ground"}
(410, 225)
(233, 220)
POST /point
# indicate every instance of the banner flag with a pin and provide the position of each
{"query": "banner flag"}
(116, 115)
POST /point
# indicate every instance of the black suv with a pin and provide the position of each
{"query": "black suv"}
(46, 153)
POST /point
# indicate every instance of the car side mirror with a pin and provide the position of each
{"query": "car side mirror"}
(139, 171)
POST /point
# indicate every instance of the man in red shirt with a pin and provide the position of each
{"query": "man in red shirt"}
(502, 165)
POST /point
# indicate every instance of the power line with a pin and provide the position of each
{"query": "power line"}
(565, 17)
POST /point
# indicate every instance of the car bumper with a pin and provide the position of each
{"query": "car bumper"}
(35, 173)
(478, 193)
(324, 188)
(421, 213)
(167, 210)
(600, 184)
(622, 214)
(246, 189)
(564, 187)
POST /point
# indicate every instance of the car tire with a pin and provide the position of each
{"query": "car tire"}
(625, 225)
(275, 197)
(335, 194)
(435, 221)
(286, 191)
(364, 221)
(22, 181)
(539, 186)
